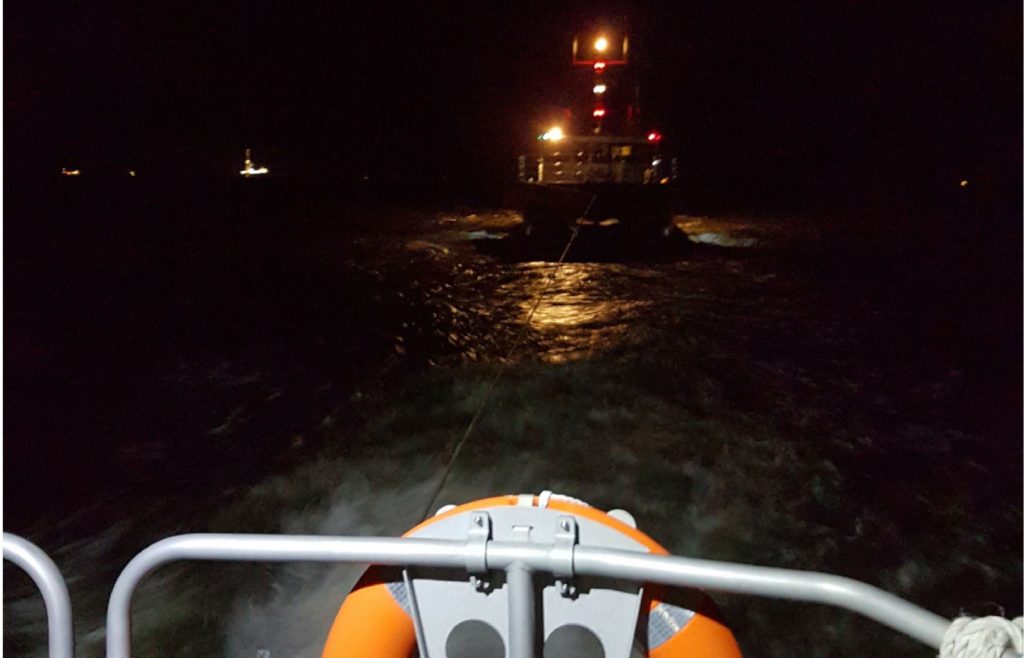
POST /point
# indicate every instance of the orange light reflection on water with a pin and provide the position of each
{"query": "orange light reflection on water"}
(578, 314)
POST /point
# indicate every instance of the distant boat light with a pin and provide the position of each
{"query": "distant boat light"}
(964, 183)
(250, 168)
(70, 172)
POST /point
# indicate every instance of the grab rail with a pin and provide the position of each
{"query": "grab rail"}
(808, 586)
(47, 578)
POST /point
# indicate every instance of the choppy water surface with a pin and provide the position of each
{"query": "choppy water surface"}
(751, 403)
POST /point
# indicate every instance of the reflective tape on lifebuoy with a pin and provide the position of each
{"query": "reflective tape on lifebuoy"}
(375, 620)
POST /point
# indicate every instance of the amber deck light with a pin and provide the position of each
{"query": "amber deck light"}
(603, 49)
(555, 134)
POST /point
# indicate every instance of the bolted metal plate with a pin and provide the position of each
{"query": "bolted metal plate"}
(608, 608)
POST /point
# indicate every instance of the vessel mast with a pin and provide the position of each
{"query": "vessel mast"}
(600, 54)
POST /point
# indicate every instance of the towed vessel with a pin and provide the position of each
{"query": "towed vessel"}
(607, 169)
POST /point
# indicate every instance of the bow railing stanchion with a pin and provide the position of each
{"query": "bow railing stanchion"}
(47, 578)
(521, 614)
(520, 559)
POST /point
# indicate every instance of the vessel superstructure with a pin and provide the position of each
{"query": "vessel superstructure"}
(611, 171)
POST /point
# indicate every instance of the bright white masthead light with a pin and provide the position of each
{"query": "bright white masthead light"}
(601, 44)
(554, 135)
(600, 89)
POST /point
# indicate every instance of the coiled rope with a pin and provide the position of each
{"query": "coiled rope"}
(504, 364)
(983, 637)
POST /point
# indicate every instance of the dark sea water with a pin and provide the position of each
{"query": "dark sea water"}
(832, 393)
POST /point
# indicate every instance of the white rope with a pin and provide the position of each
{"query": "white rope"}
(504, 364)
(983, 637)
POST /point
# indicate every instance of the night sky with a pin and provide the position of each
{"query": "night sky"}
(879, 97)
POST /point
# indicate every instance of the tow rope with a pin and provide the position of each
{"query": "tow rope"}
(983, 637)
(504, 364)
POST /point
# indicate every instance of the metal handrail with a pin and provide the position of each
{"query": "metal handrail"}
(51, 584)
(808, 586)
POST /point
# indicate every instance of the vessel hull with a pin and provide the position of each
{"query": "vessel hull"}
(560, 206)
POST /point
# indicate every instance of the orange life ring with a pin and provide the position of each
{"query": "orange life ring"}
(371, 622)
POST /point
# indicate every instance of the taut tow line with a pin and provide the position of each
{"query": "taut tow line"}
(504, 364)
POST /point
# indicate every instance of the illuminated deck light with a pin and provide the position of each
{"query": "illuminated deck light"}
(601, 44)
(555, 134)
(600, 88)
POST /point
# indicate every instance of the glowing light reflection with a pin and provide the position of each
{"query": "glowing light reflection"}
(578, 314)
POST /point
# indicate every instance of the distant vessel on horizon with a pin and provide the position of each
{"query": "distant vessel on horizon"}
(250, 169)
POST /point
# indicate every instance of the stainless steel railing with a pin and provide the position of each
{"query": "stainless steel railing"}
(47, 578)
(513, 557)
(458, 554)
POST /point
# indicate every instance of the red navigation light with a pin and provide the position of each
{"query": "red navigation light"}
(599, 112)
(599, 66)
(653, 136)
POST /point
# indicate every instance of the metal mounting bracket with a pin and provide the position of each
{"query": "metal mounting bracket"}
(566, 538)
(477, 536)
